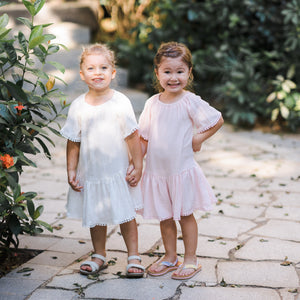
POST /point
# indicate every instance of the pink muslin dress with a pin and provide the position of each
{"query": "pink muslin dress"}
(173, 184)
(106, 198)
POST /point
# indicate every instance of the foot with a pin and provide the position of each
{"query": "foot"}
(163, 266)
(188, 269)
(134, 267)
(134, 270)
(87, 268)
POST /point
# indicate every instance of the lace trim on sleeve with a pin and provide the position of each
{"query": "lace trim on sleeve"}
(131, 131)
(72, 139)
(212, 124)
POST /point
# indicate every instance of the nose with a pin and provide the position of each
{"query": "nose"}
(173, 76)
(98, 70)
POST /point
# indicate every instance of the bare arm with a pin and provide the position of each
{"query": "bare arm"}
(73, 149)
(199, 138)
(135, 152)
(144, 145)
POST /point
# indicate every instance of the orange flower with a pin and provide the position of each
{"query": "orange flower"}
(7, 161)
(19, 108)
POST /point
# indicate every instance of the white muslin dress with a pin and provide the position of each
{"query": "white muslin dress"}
(106, 198)
(173, 184)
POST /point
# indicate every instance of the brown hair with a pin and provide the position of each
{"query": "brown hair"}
(173, 50)
(98, 49)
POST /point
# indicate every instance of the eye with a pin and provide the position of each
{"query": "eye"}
(90, 68)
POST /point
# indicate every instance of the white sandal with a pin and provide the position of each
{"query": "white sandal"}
(94, 266)
(132, 274)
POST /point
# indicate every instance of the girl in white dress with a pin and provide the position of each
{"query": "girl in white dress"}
(173, 185)
(102, 135)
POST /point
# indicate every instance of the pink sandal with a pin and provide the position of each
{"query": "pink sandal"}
(168, 267)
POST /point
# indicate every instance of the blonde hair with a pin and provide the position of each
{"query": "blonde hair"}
(100, 49)
(173, 50)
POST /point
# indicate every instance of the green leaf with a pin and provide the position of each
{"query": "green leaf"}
(4, 33)
(53, 49)
(18, 210)
(30, 195)
(38, 4)
(58, 66)
(4, 19)
(284, 111)
(11, 52)
(17, 191)
(16, 92)
(26, 22)
(35, 42)
(45, 149)
(46, 225)
(35, 127)
(30, 207)
(14, 225)
(38, 212)
(29, 6)
(23, 43)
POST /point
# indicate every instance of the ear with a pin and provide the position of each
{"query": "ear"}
(81, 75)
(156, 73)
(113, 74)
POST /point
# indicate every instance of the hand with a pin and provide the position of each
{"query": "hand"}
(73, 182)
(197, 142)
(133, 175)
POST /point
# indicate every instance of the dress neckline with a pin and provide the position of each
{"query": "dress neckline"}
(98, 105)
(172, 103)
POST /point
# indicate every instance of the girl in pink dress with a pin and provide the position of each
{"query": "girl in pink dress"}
(173, 125)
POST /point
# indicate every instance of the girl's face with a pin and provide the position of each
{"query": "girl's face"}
(173, 74)
(97, 72)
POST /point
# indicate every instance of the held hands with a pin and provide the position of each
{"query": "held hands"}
(133, 175)
(73, 182)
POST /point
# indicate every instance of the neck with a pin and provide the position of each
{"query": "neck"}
(94, 97)
(171, 97)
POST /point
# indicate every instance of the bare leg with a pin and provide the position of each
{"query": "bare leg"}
(189, 230)
(130, 235)
(168, 231)
(98, 235)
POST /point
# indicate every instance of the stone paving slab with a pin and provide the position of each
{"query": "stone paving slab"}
(259, 248)
(263, 274)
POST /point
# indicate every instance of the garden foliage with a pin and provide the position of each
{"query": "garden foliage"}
(246, 53)
(27, 112)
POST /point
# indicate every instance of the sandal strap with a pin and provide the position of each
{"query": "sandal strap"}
(94, 266)
(169, 264)
(135, 266)
(134, 257)
(189, 266)
(100, 257)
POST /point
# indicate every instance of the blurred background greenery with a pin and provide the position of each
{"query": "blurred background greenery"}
(245, 52)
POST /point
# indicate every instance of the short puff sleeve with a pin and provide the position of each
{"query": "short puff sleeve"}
(145, 119)
(72, 128)
(202, 114)
(129, 124)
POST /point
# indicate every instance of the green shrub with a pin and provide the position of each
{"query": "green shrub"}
(26, 113)
(239, 48)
